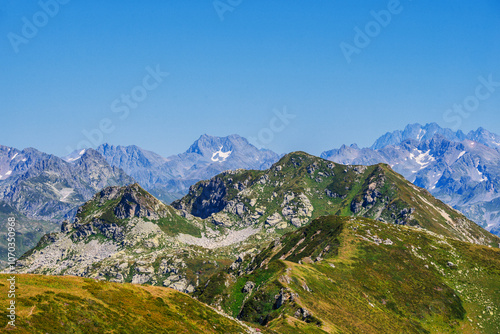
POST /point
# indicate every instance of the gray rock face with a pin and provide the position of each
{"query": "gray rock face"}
(131, 206)
(280, 299)
(461, 170)
(274, 219)
(83, 231)
(140, 279)
(302, 314)
(209, 201)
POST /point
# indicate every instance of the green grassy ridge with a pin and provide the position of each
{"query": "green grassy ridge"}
(363, 287)
(320, 237)
(169, 221)
(301, 173)
(48, 304)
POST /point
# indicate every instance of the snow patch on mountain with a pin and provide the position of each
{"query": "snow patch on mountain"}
(74, 156)
(421, 133)
(423, 159)
(482, 177)
(220, 156)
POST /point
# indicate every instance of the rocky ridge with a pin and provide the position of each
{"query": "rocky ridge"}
(300, 187)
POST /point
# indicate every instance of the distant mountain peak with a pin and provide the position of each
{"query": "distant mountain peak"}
(169, 178)
(417, 132)
(208, 145)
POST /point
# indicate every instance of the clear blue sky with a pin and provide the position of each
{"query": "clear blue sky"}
(227, 76)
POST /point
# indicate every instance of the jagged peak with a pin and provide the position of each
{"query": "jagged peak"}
(207, 141)
(124, 202)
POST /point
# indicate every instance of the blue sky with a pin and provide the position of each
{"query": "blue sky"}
(232, 75)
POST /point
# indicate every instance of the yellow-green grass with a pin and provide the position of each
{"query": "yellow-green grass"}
(421, 283)
(68, 304)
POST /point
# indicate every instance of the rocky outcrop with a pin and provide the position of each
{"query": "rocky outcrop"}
(133, 205)
(248, 287)
(274, 219)
(206, 198)
(297, 209)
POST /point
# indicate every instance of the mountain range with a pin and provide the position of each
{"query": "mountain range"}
(426, 132)
(170, 178)
(41, 189)
(45, 187)
(461, 170)
(263, 247)
(235, 211)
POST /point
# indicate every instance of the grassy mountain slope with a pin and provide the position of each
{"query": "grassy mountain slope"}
(300, 187)
(357, 275)
(46, 304)
(124, 234)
